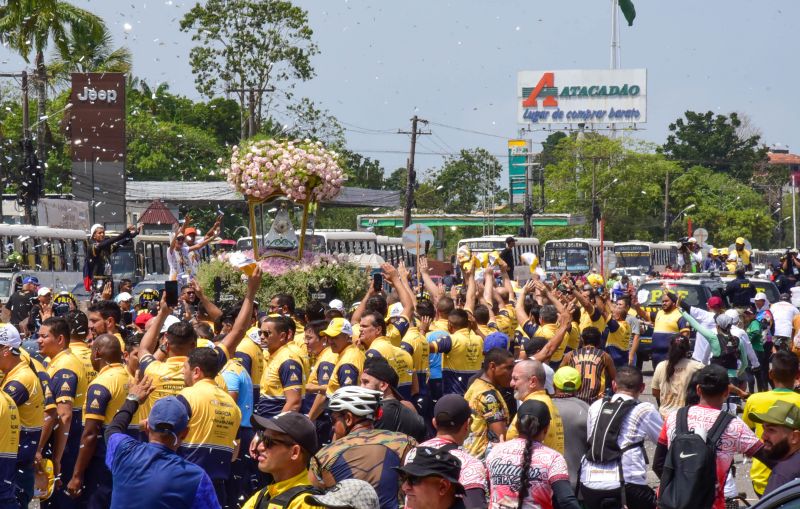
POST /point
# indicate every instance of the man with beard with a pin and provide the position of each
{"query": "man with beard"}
(781, 439)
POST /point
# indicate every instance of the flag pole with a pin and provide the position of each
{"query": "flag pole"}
(614, 35)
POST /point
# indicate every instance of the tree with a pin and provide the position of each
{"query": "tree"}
(28, 26)
(361, 171)
(249, 44)
(713, 142)
(397, 180)
(471, 180)
(89, 51)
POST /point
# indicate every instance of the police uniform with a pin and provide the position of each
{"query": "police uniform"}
(416, 344)
(252, 358)
(347, 370)
(9, 445)
(398, 359)
(463, 358)
(283, 372)
(84, 353)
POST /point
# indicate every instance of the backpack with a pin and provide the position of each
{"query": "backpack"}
(690, 464)
(729, 351)
(284, 499)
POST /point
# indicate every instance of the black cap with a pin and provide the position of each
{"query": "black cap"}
(536, 409)
(451, 411)
(380, 368)
(510, 239)
(294, 424)
(431, 462)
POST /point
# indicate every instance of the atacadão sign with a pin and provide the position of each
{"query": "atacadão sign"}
(606, 96)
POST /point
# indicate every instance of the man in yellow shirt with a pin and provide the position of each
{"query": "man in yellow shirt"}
(283, 382)
(527, 380)
(79, 329)
(104, 318)
(9, 445)
(463, 353)
(618, 331)
(68, 384)
(490, 416)
(373, 338)
(91, 479)
(783, 371)
(349, 363)
(214, 419)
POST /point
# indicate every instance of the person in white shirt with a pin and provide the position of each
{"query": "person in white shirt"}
(783, 312)
(600, 483)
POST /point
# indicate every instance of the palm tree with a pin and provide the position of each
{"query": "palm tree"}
(89, 52)
(28, 26)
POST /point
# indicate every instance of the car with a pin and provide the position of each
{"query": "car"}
(785, 497)
(148, 284)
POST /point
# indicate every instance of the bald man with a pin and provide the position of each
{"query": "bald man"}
(91, 480)
(527, 381)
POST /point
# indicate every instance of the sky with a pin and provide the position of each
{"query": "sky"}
(455, 63)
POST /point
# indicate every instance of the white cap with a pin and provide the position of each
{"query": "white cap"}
(336, 304)
(692, 240)
(9, 336)
(171, 320)
(733, 313)
(395, 310)
(43, 291)
(124, 296)
(94, 228)
(760, 296)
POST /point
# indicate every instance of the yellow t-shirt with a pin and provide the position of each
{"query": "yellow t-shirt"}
(9, 436)
(760, 403)
(347, 370)
(555, 433)
(284, 372)
(275, 489)
(586, 321)
(68, 379)
(416, 344)
(84, 353)
(23, 386)
(252, 359)
(107, 393)
(487, 407)
(620, 338)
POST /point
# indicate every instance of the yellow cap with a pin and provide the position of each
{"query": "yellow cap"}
(44, 480)
(740, 240)
(567, 379)
(724, 251)
(714, 251)
(338, 326)
(595, 280)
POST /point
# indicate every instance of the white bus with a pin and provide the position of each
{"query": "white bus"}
(497, 243)
(645, 256)
(573, 255)
(392, 251)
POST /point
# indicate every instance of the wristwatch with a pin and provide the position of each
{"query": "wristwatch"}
(132, 397)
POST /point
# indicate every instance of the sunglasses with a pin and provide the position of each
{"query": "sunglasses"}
(412, 480)
(269, 442)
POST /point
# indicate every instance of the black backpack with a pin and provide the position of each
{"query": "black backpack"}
(690, 470)
(284, 499)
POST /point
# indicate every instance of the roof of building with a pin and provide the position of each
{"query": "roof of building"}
(157, 213)
(220, 192)
(783, 158)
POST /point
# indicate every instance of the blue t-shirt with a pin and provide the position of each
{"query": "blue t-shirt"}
(238, 380)
(434, 360)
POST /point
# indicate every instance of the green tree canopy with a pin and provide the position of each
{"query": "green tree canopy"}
(468, 182)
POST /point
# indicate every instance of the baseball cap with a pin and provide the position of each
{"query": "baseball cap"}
(43, 291)
(190, 231)
(495, 340)
(567, 379)
(431, 462)
(380, 368)
(9, 336)
(781, 413)
(395, 310)
(714, 251)
(168, 414)
(534, 408)
(170, 321)
(123, 297)
(30, 279)
(760, 296)
(336, 327)
(347, 494)
(692, 240)
(142, 319)
(294, 424)
(336, 304)
(451, 411)
(740, 240)
(714, 302)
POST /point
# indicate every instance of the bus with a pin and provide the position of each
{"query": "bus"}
(764, 258)
(497, 243)
(645, 256)
(392, 251)
(573, 255)
(332, 242)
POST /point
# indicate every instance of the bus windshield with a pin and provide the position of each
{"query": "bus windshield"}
(567, 258)
(123, 263)
(632, 256)
(477, 246)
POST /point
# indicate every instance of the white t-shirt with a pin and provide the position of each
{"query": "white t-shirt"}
(783, 313)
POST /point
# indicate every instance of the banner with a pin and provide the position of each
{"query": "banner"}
(67, 214)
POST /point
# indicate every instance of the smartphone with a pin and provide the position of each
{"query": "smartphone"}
(171, 289)
(377, 282)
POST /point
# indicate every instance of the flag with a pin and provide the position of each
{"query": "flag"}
(628, 11)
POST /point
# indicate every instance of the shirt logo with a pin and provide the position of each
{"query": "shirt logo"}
(684, 456)
(293, 378)
(94, 404)
(65, 386)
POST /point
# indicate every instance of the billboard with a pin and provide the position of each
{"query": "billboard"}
(608, 96)
(96, 123)
(69, 214)
(518, 151)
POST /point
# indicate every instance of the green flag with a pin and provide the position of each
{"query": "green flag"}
(628, 11)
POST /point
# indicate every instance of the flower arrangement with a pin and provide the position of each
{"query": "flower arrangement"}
(300, 169)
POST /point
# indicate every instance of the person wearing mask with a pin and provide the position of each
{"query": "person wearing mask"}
(359, 450)
(490, 413)
(68, 384)
(601, 485)
(214, 419)
(22, 385)
(781, 437)
(284, 446)
(782, 374)
(512, 463)
(667, 322)
(151, 474)
(431, 480)
(712, 389)
(672, 376)
(574, 413)
(282, 383)
(528, 382)
(396, 413)
(594, 365)
(783, 313)
(97, 270)
(463, 352)
(451, 421)
(91, 481)
(244, 474)
(740, 291)
(20, 303)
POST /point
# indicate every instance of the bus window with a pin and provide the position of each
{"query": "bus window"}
(57, 253)
(80, 254)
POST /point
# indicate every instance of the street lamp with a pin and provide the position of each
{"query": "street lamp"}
(682, 212)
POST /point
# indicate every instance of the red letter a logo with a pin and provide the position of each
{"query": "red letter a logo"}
(546, 85)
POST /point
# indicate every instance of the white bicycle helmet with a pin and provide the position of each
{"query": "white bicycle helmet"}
(359, 401)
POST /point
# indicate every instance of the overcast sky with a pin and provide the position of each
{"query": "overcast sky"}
(455, 63)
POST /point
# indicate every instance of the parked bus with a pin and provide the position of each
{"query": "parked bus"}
(392, 251)
(764, 258)
(645, 256)
(573, 255)
(497, 243)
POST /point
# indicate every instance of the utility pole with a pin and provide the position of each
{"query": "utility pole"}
(31, 182)
(251, 106)
(411, 178)
(666, 207)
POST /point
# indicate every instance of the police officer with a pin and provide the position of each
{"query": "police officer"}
(740, 291)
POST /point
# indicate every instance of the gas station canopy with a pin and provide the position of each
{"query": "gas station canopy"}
(514, 220)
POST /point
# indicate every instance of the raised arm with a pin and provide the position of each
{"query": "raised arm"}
(565, 324)
(710, 336)
(210, 309)
(427, 282)
(150, 339)
(362, 306)
(469, 279)
(519, 306)
(244, 318)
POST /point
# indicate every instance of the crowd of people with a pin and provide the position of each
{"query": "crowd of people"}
(484, 395)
